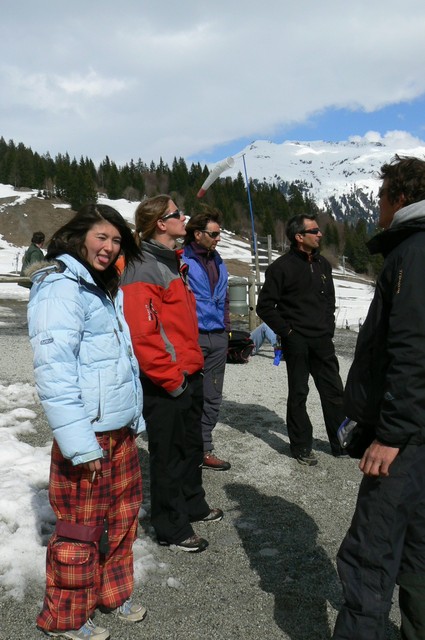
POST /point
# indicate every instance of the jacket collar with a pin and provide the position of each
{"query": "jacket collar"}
(412, 213)
(194, 250)
(307, 257)
(406, 222)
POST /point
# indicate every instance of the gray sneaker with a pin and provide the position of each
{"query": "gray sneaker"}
(88, 631)
(306, 457)
(130, 611)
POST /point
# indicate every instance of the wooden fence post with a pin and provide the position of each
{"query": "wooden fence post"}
(252, 301)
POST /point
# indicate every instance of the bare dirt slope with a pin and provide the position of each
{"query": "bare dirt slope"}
(18, 223)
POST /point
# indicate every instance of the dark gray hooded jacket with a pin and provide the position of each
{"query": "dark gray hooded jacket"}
(386, 384)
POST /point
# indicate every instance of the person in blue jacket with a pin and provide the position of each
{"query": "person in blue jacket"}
(87, 378)
(208, 279)
(262, 333)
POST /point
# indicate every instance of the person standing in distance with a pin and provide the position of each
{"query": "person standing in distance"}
(160, 309)
(297, 301)
(33, 254)
(208, 279)
(385, 394)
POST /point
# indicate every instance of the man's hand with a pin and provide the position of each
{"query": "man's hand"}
(377, 459)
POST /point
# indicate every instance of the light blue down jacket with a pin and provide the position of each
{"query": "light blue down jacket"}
(86, 374)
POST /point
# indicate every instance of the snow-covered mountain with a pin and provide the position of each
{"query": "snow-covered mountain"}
(340, 176)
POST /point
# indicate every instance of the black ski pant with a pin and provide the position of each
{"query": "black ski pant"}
(176, 454)
(315, 356)
(384, 545)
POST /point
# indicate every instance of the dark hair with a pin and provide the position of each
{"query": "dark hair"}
(199, 221)
(296, 225)
(147, 215)
(38, 237)
(71, 238)
(405, 176)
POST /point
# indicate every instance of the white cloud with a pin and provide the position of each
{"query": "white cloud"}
(91, 85)
(392, 139)
(53, 93)
(182, 78)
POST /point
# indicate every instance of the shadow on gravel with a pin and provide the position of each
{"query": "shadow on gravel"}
(262, 423)
(280, 540)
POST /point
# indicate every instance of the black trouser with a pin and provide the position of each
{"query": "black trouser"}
(384, 545)
(176, 453)
(315, 356)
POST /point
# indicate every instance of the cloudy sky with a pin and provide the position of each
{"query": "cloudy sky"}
(200, 80)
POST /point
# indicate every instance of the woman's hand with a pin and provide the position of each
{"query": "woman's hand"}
(94, 467)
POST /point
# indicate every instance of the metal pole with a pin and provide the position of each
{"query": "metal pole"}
(256, 261)
(254, 240)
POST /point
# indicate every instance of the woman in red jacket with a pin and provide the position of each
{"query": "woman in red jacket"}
(161, 312)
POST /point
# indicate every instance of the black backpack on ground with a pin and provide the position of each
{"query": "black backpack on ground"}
(240, 347)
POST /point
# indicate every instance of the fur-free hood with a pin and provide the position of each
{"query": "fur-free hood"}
(407, 221)
(413, 212)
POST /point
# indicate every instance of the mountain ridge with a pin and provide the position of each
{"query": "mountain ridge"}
(342, 177)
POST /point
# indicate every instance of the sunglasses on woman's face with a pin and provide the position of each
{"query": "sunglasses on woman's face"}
(175, 214)
(211, 234)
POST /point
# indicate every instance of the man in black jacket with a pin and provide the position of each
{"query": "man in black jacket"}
(385, 394)
(297, 301)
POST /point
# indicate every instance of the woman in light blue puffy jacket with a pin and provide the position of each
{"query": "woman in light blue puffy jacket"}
(87, 379)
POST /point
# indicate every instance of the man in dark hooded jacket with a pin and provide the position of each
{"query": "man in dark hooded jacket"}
(385, 394)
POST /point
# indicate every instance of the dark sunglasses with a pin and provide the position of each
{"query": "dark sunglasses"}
(176, 214)
(381, 191)
(313, 231)
(211, 234)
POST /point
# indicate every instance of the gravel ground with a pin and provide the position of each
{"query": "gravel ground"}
(270, 568)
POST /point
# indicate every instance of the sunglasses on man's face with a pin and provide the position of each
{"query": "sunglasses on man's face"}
(211, 234)
(313, 231)
(175, 214)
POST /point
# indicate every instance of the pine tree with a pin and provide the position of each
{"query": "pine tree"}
(113, 185)
(355, 247)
